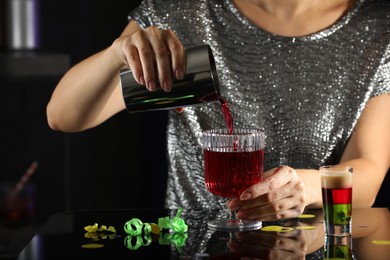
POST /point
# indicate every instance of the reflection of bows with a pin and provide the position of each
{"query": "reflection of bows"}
(136, 227)
(133, 242)
(94, 236)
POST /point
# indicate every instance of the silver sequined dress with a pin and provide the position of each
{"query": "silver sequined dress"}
(306, 92)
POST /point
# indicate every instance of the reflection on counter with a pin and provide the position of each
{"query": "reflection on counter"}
(63, 237)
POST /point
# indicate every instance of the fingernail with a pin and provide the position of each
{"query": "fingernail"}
(167, 85)
(246, 196)
(179, 110)
(141, 80)
(179, 74)
(151, 85)
(242, 215)
(234, 205)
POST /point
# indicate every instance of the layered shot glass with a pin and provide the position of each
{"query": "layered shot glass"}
(336, 184)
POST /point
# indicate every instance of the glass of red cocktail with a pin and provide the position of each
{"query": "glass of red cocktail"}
(233, 162)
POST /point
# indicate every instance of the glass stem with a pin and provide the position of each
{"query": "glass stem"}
(233, 218)
(232, 214)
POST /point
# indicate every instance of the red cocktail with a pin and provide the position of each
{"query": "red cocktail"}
(228, 174)
(233, 162)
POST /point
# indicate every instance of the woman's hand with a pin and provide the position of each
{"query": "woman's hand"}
(280, 195)
(89, 93)
(152, 54)
(295, 244)
(269, 245)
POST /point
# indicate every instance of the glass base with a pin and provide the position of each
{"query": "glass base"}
(234, 224)
(338, 230)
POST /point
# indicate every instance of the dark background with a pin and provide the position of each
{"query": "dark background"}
(119, 164)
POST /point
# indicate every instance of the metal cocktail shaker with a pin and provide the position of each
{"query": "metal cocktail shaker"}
(199, 85)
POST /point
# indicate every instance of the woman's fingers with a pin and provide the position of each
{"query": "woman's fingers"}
(177, 52)
(140, 58)
(291, 245)
(273, 180)
(162, 57)
(170, 58)
(154, 57)
(286, 209)
(281, 195)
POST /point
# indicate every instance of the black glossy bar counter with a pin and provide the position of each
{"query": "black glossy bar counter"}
(63, 237)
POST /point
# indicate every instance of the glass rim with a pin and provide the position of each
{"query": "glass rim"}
(236, 131)
(336, 169)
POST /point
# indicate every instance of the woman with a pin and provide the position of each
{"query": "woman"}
(314, 74)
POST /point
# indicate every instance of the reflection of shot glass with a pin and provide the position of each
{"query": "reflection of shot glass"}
(338, 247)
(336, 184)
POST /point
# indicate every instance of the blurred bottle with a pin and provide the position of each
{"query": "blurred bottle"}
(22, 24)
(16, 210)
(2, 22)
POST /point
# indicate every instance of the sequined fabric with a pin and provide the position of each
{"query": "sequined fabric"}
(306, 92)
